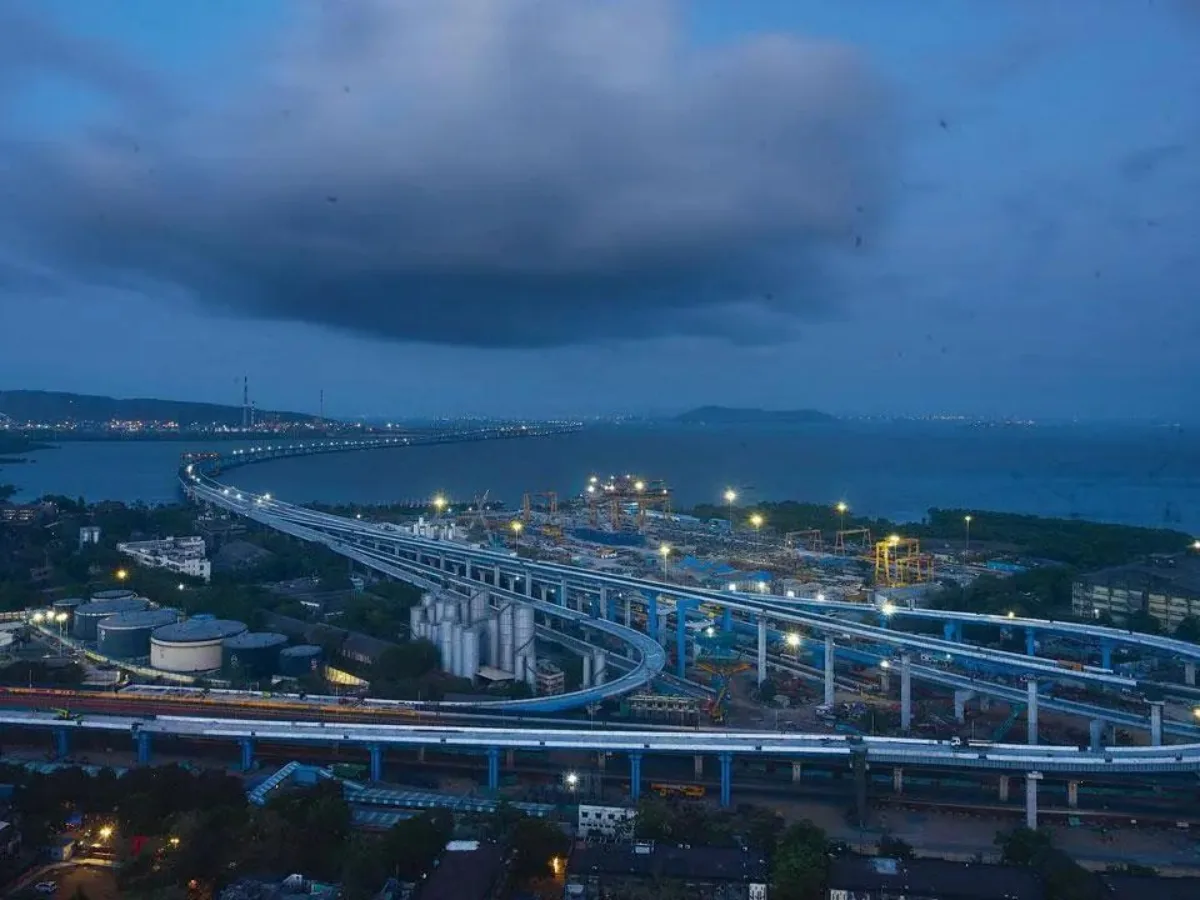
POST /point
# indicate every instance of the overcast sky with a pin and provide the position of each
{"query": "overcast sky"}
(555, 206)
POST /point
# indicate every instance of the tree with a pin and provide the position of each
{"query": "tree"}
(535, 842)
(1188, 629)
(801, 863)
(1064, 878)
(412, 660)
(895, 848)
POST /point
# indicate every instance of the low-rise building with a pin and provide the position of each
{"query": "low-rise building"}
(1166, 586)
(602, 871)
(467, 870)
(549, 680)
(605, 822)
(882, 878)
(184, 556)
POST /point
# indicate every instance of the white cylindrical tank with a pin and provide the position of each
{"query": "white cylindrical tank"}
(507, 641)
(456, 643)
(464, 611)
(470, 652)
(523, 631)
(479, 607)
(446, 642)
(427, 599)
(492, 625)
(432, 632)
(599, 667)
(450, 611)
(416, 618)
(586, 678)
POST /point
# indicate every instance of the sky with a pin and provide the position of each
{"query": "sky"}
(559, 207)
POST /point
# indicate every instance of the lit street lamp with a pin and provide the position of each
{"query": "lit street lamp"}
(842, 508)
(439, 504)
(122, 574)
(516, 525)
(664, 551)
(967, 523)
(730, 496)
(757, 521)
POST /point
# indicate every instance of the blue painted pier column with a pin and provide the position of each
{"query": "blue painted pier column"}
(247, 745)
(62, 743)
(681, 609)
(493, 756)
(952, 631)
(376, 751)
(1030, 641)
(635, 776)
(143, 748)
(727, 620)
(1106, 654)
(652, 615)
(726, 778)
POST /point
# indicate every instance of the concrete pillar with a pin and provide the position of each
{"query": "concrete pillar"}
(1031, 710)
(1106, 654)
(1030, 641)
(906, 693)
(1189, 673)
(680, 639)
(143, 748)
(961, 699)
(605, 612)
(628, 611)
(563, 595)
(726, 778)
(1003, 788)
(797, 772)
(898, 780)
(1156, 711)
(376, 751)
(698, 765)
(420, 754)
(1073, 794)
(493, 764)
(62, 743)
(496, 575)
(762, 649)
(652, 615)
(599, 666)
(885, 681)
(952, 631)
(601, 760)
(247, 745)
(635, 776)
(586, 677)
(1096, 735)
(1031, 800)
(829, 685)
(510, 758)
(528, 580)
(727, 620)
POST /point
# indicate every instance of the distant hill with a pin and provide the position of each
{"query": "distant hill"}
(727, 415)
(54, 406)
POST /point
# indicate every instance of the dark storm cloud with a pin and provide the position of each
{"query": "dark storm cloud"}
(530, 173)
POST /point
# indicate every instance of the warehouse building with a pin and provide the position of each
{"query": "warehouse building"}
(192, 646)
(127, 635)
(1166, 586)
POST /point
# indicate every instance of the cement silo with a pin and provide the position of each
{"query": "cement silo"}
(89, 615)
(492, 626)
(446, 645)
(300, 661)
(416, 619)
(127, 635)
(479, 607)
(456, 633)
(507, 646)
(523, 641)
(192, 646)
(252, 654)
(470, 653)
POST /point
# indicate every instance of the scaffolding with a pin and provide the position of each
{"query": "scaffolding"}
(810, 539)
(899, 562)
(840, 546)
(616, 497)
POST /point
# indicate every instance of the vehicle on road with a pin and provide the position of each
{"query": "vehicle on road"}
(46, 887)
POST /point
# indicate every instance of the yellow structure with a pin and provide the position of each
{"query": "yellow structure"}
(547, 500)
(899, 561)
(617, 495)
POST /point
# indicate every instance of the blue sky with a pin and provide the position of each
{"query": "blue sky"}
(973, 208)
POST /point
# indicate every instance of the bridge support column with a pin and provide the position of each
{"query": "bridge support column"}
(1031, 800)
(761, 673)
(1189, 674)
(376, 751)
(726, 778)
(420, 754)
(510, 758)
(698, 765)
(62, 743)
(605, 613)
(898, 780)
(727, 620)
(797, 772)
(586, 671)
(652, 616)
(952, 631)
(493, 763)
(1030, 642)
(562, 596)
(599, 666)
(906, 693)
(961, 699)
(1156, 711)
(1073, 794)
(496, 576)
(680, 638)
(1003, 788)
(635, 776)
(1096, 735)
(601, 760)
(1031, 711)
(142, 743)
(247, 748)
(829, 685)
(885, 681)
(1106, 654)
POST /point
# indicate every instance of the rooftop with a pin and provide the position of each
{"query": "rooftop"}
(110, 607)
(665, 861)
(935, 878)
(141, 618)
(250, 640)
(198, 630)
(1178, 571)
(466, 871)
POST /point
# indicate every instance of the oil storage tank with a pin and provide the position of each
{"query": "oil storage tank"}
(299, 661)
(89, 615)
(253, 654)
(115, 594)
(67, 605)
(191, 646)
(127, 635)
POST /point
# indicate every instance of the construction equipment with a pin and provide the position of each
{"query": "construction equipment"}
(841, 548)
(547, 500)
(717, 654)
(810, 539)
(690, 791)
(626, 494)
(899, 561)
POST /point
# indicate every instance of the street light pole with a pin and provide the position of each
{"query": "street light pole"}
(967, 521)
(730, 496)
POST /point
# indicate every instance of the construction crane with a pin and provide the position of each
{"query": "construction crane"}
(547, 500)
(840, 546)
(717, 654)
(811, 539)
(899, 561)
(616, 494)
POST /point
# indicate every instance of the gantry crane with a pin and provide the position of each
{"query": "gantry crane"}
(547, 500)
(612, 496)
(811, 539)
(899, 561)
(839, 540)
